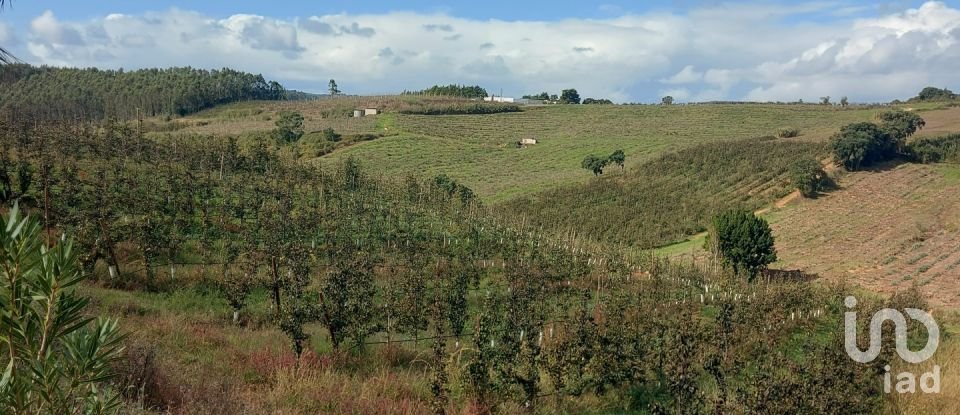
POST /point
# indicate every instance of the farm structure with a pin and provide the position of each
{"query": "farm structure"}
(365, 112)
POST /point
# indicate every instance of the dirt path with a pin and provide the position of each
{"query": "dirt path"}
(779, 203)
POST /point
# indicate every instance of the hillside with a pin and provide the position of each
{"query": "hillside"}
(884, 230)
(469, 147)
(250, 281)
(671, 196)
(254, 278)
(637, 208)
(69, 93)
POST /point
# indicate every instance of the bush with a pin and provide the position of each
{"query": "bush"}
(330, 135)
(594, 164)
(862, 144)
(744, 241)
(289, 128)
(618, 158)
(807, 175)
(900, 124)
(452, 188)
(788, 132)
(55, 360)
(935, 149)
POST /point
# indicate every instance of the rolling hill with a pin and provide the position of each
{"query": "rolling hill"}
(480, 151)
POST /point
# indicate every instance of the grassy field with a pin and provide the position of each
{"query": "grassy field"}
(480, 150)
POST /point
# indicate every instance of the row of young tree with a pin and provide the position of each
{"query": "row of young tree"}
(69, 93)
(672, 196)
(515, 318)
(452, 90)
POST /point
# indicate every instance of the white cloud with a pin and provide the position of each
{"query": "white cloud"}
(262, 33)
(687, 75)
(747, 51)
(47, 27)
(891, 56)
(6, 35)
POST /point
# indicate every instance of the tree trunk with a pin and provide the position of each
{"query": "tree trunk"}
(328, 322)
(276, 285)
(110, 249)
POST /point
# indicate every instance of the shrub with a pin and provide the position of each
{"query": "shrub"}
(788, 132)
(452, 188)
(330, 135)
(935, 149)
(618, 158)
(289, 127)
(543, 96)
(57, 361)
(594, 164)
(807, 175)
(900, 124)
(744, 241)
(862, 144)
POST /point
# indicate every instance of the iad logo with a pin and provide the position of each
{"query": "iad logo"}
(906, 381)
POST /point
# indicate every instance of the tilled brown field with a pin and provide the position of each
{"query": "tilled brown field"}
(940, 121)
(884, 230)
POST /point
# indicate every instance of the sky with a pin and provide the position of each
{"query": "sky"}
(627, 51)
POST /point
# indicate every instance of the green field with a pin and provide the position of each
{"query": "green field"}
(672, 196)
(480, 150)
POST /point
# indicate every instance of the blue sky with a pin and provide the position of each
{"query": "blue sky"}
(490, 9)
(623, 50)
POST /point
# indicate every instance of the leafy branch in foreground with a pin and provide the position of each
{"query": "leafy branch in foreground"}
(54, 358)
